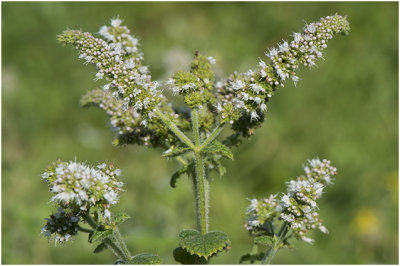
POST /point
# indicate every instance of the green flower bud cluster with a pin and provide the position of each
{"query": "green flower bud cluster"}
(64, 225)
(195, 86)
(298, 207)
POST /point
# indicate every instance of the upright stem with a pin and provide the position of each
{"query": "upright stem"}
(200, 180)
(201, 195)
(273, 249)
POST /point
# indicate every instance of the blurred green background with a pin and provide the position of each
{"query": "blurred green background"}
(345, 110)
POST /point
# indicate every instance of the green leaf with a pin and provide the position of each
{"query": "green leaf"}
(175, 151)
(251, 258)
(203, 245)
(264, 240)
(119, 262)
(146, 258)
(100, 248)
(100, 235)
(184, 257)
(141, 259)
(120, 218)
(217, 147)
(217, 166)
(186, 169)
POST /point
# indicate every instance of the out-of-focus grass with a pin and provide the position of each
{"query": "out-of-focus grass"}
(344, 110)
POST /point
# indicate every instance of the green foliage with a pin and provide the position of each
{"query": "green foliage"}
(217, 147)
(176, 151)
(120, 218)
(141, 259)
(146, 258)
(203, 245)
(186, 169)
(265, 240)
(216, 166)
(100, 234)
(183, 256)
(101, 247)
(251, 258)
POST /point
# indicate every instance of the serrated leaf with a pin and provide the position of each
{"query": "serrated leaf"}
(175, 151)
(203, 245)
(186, 169)
(100, 235)
(264, 240)
(217, 147)
(251, 258)
(100, 248)
(184, 257)
(146, 258)
(178, 174)
(217, 166)
(120, 218)
(141, 259)
(90, 236)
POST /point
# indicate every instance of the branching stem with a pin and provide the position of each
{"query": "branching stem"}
(213, 135)
(200, 182)
(273, 249)
(108, 241)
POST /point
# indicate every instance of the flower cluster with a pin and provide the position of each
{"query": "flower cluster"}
(298, 206)
(134, 102)
(118, 61)
(129, 97)
(64, 225)
(79, 187)
(246, 94)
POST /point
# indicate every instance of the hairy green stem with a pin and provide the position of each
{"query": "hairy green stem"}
(213, 135)
(195, 125)
(200, 180)
(174, 128)
(121, 240)
(110, 244)
(274, 249)
(201, 194)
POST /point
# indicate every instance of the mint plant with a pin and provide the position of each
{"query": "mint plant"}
(141, 114)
